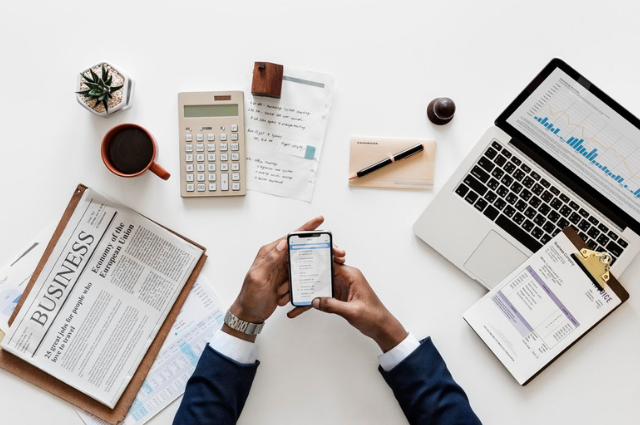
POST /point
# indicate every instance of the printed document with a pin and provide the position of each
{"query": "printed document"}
(15, 276)
(284, 136)
(101, 298)
(201, 316)
(540, 310)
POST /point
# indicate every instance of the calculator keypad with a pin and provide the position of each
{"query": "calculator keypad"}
(212, 162)
(212, 148)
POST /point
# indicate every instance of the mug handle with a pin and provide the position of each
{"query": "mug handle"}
(159, 171)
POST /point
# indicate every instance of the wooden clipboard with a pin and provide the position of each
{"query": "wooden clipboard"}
(47, 382)
(612, 285)
(501, 331)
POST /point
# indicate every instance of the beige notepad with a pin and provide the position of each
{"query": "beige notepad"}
(415, 172)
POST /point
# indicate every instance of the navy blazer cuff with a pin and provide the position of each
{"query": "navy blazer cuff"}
(426, 390)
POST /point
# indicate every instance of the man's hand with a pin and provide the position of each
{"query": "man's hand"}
(266, 284)
(355, 300)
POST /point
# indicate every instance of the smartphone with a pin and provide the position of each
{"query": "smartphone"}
(310, 266)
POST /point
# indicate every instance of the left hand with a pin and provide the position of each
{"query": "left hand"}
(266, 284)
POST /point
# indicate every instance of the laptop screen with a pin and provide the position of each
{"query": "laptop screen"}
(592, 137)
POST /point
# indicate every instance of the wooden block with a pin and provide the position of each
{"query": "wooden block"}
(267, 79)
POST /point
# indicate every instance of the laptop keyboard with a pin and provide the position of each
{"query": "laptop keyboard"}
(530, 208)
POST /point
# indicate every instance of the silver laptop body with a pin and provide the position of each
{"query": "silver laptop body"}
(563, 153)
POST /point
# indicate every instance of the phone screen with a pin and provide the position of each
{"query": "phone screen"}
(310, 267)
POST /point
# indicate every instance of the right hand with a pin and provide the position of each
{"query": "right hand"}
(266, 284)
(355, 301)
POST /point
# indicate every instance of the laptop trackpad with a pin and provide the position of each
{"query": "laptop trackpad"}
(494, 259)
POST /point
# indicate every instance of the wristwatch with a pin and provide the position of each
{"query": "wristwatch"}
(242, 325)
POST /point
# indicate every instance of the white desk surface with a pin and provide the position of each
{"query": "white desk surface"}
(389, 61)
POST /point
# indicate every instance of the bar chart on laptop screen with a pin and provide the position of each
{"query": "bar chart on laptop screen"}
(585, 134)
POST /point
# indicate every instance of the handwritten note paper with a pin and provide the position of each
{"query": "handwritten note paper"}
(284, 136)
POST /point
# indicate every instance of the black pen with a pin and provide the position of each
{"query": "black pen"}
(390, 160)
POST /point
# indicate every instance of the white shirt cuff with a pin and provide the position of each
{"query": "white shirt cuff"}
(397, 354)
(237, 349)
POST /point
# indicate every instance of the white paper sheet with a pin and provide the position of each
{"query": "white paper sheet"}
(201, 315)
(284, 136)
(15, 275)
(539, 310)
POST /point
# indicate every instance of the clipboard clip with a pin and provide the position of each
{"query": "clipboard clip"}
(595, 265)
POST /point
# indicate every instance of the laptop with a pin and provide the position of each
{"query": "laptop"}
(562, 154)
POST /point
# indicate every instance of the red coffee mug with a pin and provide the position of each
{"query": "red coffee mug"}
(129, 150)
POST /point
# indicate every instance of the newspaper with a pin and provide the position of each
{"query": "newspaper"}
(101, 298)
(201, 316)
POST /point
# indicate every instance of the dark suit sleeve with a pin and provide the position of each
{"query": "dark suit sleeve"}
(216, 391)
(426, 391)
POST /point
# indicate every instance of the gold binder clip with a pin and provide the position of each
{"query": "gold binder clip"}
(595, 265)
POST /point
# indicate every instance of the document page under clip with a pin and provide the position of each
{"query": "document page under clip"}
(540, 310)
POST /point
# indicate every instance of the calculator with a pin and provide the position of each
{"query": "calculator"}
(212, 149)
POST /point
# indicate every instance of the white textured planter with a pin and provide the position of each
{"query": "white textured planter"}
(124, 95)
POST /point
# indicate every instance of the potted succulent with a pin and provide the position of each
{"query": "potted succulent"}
(104, 90)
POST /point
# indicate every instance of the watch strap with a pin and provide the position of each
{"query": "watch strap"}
(242, 325)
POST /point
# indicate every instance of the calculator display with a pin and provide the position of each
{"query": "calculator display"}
(204, 111)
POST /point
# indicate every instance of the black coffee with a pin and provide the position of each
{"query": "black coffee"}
(131, 150)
